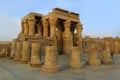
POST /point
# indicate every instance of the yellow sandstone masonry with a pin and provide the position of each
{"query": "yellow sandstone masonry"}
(50, 63)
(75, 58)
(18, 52)
(93, 59)
(35, 55)
(26, 52)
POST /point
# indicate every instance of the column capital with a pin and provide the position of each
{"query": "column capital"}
(67, 23)
(52, 21)
(79, 26)
(31, 21)
(45, 23)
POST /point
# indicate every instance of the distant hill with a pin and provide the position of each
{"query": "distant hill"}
(4, 42)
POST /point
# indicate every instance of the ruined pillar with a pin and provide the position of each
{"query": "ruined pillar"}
(31, 23)
(116, 48)
(52, 23)
(75, 58)
(35, 55)
(25, 52)
(13, 49)
(67, 40)
(50, 63)
(79, 35)
(93, 55)
(3, 53)
(106, 55)
(18, 51)
(26, 28)
(45, 28)
(119, 46)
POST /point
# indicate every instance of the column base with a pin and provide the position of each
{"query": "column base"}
(2, 55)
(34, 65)
(77, 66)
(23, 61)
(94, 63)
(16, 60)
(107, 61)
(11, 58)
(50, 69)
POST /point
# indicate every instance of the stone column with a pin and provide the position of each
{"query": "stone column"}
(59, 39)
(93, 56)
(25, 52)
(75, 58)
(31, 23)
(50, 64)
(26, 28)
(13, 49)
(18, 51)
(45, 28)
(22, 27)
(35, 55)
(67, 40)
(116, 48)
(79, 35)
(106, 55)
(119, 46)
(3, 53)
(52, 23)
(39, 27)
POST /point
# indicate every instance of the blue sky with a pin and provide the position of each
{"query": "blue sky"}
(100, 18)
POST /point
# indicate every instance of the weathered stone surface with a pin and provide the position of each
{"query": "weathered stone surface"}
(3, 53)
(75, 58)
(35, 55)
(116, 47)
(50, 63)
(67, 38)
(31, 23)
(13, 49)
(18, 52)
(106, 55)
(26, 52)
(93, 56)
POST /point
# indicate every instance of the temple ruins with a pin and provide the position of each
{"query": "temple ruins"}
(44, 37)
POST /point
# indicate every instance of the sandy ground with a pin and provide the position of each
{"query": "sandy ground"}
(10, 70)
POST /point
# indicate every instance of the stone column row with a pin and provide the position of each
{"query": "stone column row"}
(93, 57)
